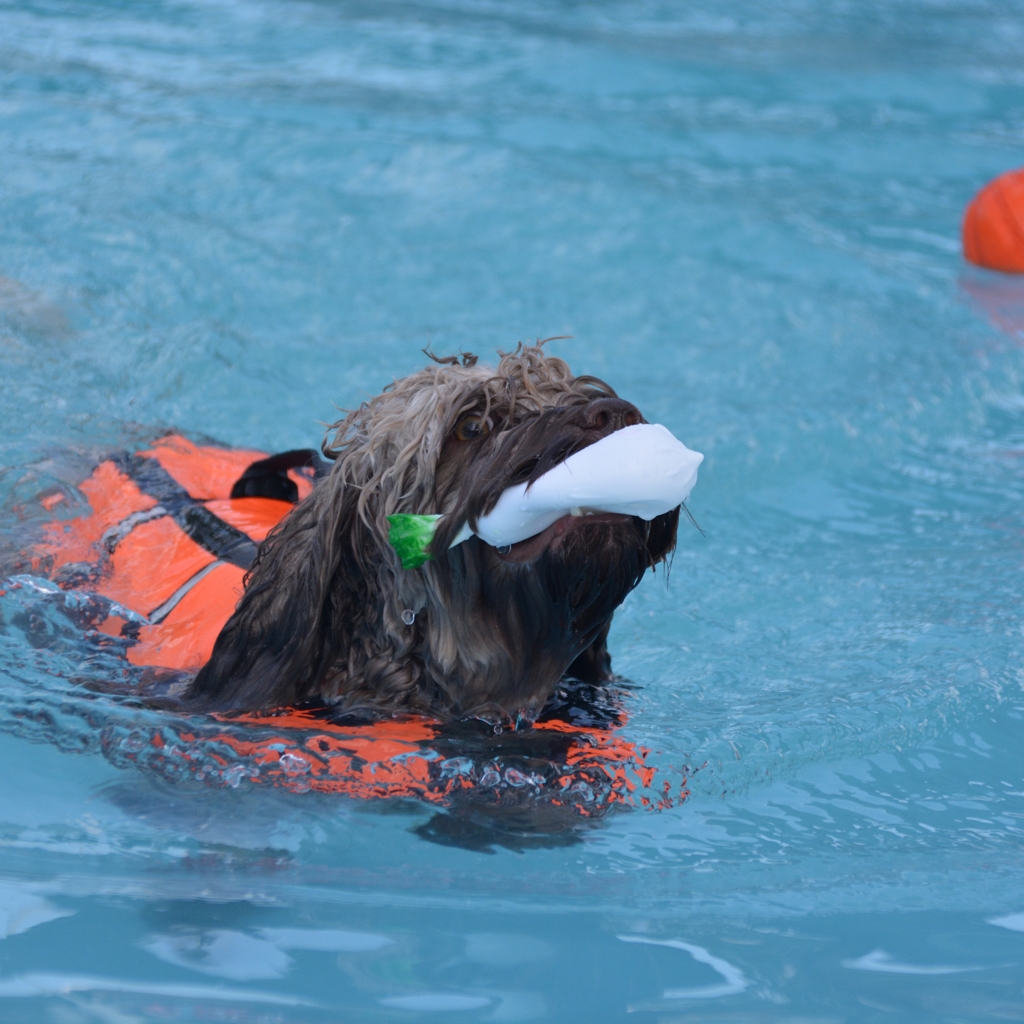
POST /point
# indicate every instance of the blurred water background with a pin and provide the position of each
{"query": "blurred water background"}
(234, 216)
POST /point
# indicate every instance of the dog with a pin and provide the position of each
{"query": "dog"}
(328, 613)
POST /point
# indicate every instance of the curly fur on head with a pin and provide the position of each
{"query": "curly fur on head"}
(494, 631)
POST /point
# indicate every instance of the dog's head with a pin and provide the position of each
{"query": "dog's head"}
(328, 611)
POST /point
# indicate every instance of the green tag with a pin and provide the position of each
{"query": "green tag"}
(410, 536)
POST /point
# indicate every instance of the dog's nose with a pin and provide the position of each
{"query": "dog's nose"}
(609, 415)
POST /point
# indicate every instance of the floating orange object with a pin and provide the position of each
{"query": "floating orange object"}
(993, 230)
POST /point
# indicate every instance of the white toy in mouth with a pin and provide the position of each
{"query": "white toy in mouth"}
(636, 471)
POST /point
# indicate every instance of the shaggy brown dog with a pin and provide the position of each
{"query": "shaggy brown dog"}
(328, 611)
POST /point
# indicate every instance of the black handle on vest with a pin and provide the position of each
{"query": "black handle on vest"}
(268, 478)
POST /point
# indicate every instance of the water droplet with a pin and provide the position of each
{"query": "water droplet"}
(456, 766)
(294, 765)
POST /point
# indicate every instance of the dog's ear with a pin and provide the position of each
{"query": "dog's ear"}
(303, 597)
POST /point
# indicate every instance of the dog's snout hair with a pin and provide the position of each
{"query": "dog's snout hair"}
(325, 611)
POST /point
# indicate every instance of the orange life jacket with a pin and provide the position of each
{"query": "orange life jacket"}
(167, 543)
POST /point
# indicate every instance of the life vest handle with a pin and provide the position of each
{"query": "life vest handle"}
(268, 478)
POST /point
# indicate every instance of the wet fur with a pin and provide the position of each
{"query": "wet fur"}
(321, 617)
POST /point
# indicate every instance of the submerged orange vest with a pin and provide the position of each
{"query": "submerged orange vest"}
(166, 542)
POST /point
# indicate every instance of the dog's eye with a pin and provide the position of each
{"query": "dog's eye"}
(472, 427)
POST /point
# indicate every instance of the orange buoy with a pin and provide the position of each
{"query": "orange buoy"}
(993, 230)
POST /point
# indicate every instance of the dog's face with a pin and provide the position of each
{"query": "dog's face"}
(327, 610)
(514, 620)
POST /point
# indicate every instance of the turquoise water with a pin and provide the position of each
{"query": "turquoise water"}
(232, 216)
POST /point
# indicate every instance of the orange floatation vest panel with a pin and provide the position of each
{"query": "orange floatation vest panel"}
(166, 540)
(586, 770)
(168, 545)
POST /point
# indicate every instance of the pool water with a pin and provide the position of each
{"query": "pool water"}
(232, 217)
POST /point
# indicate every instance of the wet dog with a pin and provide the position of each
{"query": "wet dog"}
(328, 613)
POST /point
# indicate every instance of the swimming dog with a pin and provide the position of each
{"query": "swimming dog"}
(329, 614)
